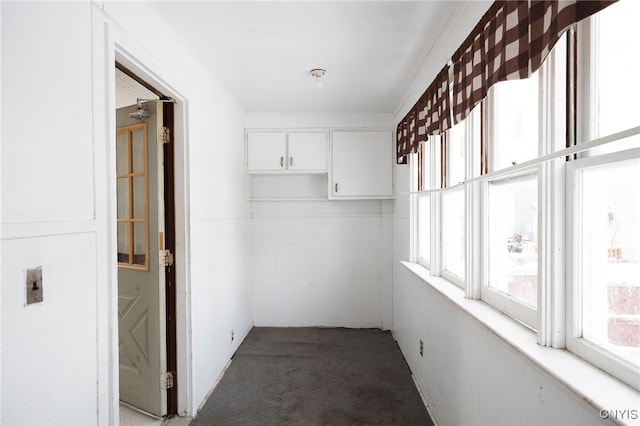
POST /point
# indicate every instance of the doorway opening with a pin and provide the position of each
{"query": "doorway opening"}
(146, 243)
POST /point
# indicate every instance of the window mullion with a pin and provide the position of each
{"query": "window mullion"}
(473, 241)
(436, 237)
(413, 208)
(472, 214)
(545, 202)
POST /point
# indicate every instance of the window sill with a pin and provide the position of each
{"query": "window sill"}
(590, 384)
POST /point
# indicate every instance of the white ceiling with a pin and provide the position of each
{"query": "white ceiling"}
(262, 51)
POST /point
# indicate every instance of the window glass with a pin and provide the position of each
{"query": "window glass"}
(132, 196)
(513, 237)
(139, 243)
(615, 65)
(123, 242)
(437, 161)
(515, 121)
(122, 153)
(455, 154)
(123, 197)
(476, 140)
(610, 249)
(453, 232)
(424, 228)
(426, 165)
(138, 151)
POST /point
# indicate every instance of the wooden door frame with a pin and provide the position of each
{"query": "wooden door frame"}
(168, 116)
(170, 244)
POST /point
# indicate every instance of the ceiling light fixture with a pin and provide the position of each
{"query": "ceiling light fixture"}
(317, 74)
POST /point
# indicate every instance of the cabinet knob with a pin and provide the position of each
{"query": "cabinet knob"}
(291, 161)
(281, 161)
(336, 187)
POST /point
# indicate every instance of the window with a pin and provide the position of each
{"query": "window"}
(512, 246)
(453, 204)
(612, 70)
(455, 145)
(549, 238)
(610, 255)
(605, 201)
(453, 235)
(603, 189)
(424, 229)
(428, 178)
(514, 125)
(132, 194)
(510, 259)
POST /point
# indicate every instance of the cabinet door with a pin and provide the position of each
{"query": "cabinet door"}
(307, 151)
(266, 151)
(361, 164)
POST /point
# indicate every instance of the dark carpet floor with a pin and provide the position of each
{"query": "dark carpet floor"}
(316, 376)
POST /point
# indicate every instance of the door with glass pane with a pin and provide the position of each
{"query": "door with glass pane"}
(141, 286)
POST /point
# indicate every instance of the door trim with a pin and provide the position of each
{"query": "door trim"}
(170, 244)
(178, 347)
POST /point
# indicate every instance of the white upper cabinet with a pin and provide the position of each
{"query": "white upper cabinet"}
(305, 164)
(280, 151)
(361, 165)
(307, 151)
(266, 151)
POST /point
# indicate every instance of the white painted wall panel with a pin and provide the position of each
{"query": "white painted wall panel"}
(220, 254)
(321, 263)
(222, 301)
(469, 375)
(47, 155)
(49, 349)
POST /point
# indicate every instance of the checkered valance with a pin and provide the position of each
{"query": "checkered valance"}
(430, 115)
(510, 42)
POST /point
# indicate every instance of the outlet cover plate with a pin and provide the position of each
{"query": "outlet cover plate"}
(34, 285)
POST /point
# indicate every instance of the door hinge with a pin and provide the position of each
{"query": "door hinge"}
(166, 258)
(165, 135)
(167, 380)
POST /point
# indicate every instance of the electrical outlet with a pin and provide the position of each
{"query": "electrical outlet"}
(34, 285)
(421, 348)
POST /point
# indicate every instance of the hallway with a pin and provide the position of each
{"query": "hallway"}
(316, 376)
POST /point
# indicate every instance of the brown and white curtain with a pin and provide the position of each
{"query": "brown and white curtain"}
(510, 42)
(430, 115)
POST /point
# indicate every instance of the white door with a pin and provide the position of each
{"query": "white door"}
(361, 164)
(266, 151)
(141, 277)
(307, 151)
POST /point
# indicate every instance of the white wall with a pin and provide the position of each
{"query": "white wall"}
(59, 358)
(467, 373)
(49, 353)
(321, 263)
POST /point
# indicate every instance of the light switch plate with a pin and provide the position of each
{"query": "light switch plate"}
(34, 285)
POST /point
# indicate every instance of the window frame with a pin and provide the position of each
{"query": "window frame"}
(505, 303)
(446, 273)
(587, 130)
(510, 306)
(472, 146)
(597, 355)
(131, 220)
